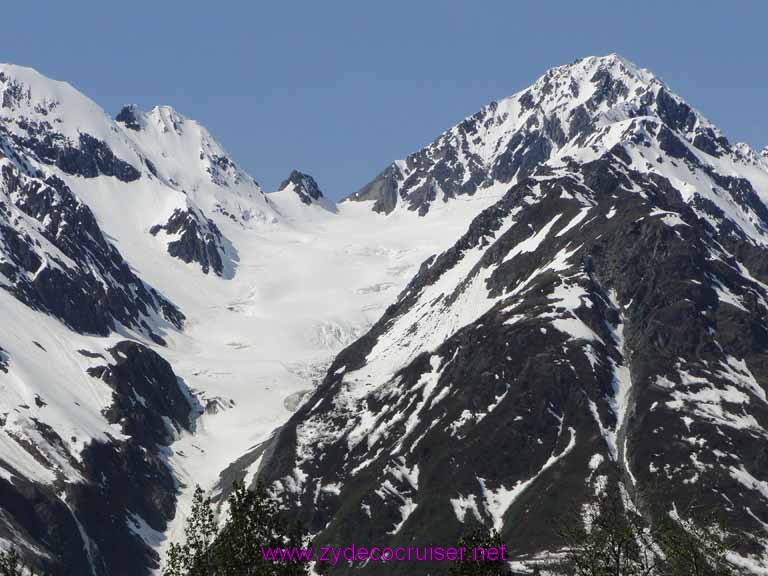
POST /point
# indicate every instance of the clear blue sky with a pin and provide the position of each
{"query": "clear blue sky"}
(341, 88)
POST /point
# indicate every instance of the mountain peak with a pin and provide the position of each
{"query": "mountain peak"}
(582, 109)
(169, 119)
(130, 116)
(615, 63)
(304, 185)
(599, 82)
(29, 98)
(165, 117)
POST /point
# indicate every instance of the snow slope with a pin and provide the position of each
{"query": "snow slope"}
(603, 321)
(272, 286)
(302, 278)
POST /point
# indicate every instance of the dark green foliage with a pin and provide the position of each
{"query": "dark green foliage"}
(609, 541)
(614, 541)
(480, 538)
(694, 549)
(194, 557)
(253, 521)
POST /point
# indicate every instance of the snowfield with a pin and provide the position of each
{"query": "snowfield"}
(250, 296)
(304, 290)
(300, 281)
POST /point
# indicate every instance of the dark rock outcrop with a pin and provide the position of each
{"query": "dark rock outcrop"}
(89, 157)
(198, 239)
(98, 525)
(303, 185)
(60, 262)
(383, 190)
(595, 326)
(129, 116)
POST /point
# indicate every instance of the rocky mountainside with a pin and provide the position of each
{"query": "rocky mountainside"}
(161, 316)
(604, 321)
(566, 289)
(89, 408)
(566, 112)
(303, 185)
(299, 195)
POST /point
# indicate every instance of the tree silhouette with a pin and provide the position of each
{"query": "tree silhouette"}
(611, 539)
(253, 521)
(479, 538)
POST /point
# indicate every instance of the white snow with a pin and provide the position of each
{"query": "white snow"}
(463, 504)
(498, 501)
(301, 282)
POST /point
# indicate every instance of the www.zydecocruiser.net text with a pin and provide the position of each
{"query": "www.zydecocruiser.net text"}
(334, 554)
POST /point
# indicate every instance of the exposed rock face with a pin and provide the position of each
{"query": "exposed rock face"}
(130, 116)
(91, 158)
(32, 121)
(88, 157)
(145, 392)
(383, 191)
(197, 239)
(102, 524)
(303, 185)
(507, 140)
(604, 320)
(56, 259)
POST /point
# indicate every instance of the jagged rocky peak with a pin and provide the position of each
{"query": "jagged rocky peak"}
(164, 120)
(764, 153)
(570, 107)
(55, 258)
(603, 320)
(170, 119)
(130, 116)
(303, 185)
(54, 124)
(194, 238)
(133, 117)
(608, 79)
(186, 148)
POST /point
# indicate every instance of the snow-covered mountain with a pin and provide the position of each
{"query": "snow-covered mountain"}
(299, 196)
(572, 111)
(566, 288)
(161, 316)
(603, 321)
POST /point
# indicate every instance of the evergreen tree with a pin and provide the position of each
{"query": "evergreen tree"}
(693, 548)
(194, 557)
(480, 538)
(611, 540)
(253, 521)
